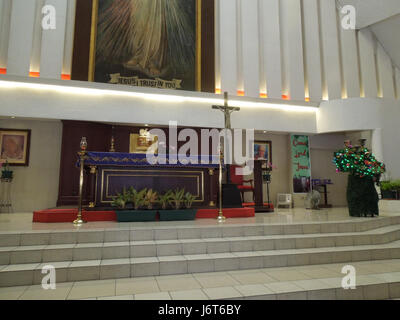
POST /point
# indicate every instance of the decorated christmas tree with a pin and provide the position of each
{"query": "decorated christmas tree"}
(364, 170)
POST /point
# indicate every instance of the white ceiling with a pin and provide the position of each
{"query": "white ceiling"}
(372, 11)
(383, 17)
(388, 34)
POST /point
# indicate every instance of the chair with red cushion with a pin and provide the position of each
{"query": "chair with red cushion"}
(240, 182)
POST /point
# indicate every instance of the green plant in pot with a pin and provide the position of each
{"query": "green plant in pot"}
(390, 189)
(396, 188)
(120, 200)
(150, 198)
(6, 173)
(178, 198)
(165, 199)
(138, 200)
(188, 200)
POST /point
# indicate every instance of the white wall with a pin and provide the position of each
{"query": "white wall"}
(281, 159)
(390, 137)
(323, 168)
(285, 47)
(349, 115)
(327, 141)
(24, 45)
(366, 114)
(322, 147)
(36, 187)
(64, 103)
(290, 47)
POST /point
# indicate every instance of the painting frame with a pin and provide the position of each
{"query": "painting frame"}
(267, 144)
(26, 135)
(135, 147)
(198, 41)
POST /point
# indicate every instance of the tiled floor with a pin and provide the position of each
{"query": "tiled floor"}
(376, 278)
(23, 221)
(289, 283)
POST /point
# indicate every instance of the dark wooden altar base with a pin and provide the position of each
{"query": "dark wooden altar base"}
(265, 208)
(99, 136)
(69, 215)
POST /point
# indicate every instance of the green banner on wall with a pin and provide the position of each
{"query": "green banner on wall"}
(301, 165)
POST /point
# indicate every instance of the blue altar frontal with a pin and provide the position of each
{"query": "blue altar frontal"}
(110, 172)
(138, 159)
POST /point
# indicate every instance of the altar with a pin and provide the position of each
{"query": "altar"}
(108, 173)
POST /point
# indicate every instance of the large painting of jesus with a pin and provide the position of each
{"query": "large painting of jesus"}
(149, 43)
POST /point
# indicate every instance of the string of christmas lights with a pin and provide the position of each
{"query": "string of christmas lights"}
(358, 161)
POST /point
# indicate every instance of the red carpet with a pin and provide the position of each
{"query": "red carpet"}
(228, 213)
(69, 215)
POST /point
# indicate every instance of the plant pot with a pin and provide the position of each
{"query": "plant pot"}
(388, 194)
(362, 197)
(136, 215)
(6, 174)
(178, 215)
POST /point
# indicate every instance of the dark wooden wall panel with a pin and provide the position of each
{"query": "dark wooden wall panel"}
(98, 136)
(208, 47)
(83, 25)
(98, 140)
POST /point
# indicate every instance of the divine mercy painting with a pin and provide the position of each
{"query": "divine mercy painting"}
(148, 43)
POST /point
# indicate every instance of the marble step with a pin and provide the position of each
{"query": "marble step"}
(381, 286)
(67, 271)
(375, 280)
(384, 286)
(122, 234)
(160, 248)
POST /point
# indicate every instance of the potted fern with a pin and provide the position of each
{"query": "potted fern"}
(181, 206)
(138, 200)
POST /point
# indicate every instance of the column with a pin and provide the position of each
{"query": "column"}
(228, 46)
(250, 48)
(5, 12)
(376, 144)
(21, 37)
(52, 54)
(369, 87)
(330, 49)
(292, 49)
(270, 43)
(312, 49)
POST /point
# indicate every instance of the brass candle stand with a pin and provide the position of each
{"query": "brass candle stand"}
(221, 217)
(82, 156)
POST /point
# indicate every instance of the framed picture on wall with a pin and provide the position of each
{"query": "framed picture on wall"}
(14, 146)
(263, 151)
(152, 44)
(140, 143)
